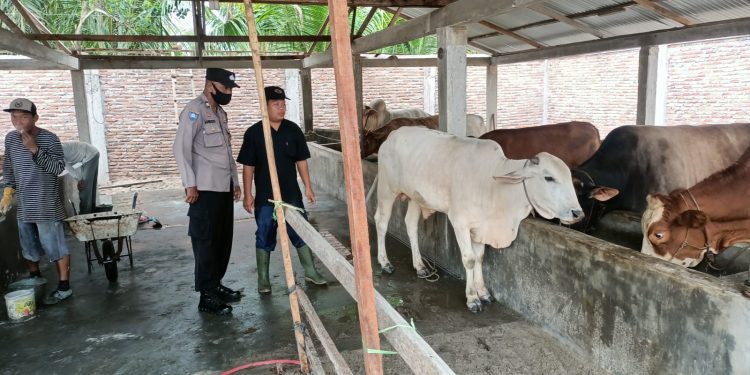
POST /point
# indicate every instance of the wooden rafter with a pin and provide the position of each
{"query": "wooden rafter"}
(664, 12)
(511, 34)
(359, 3)
(9, 22)
(551, 13)
(178, 38)
(366, 22)
(353, 11)
(198, 27)
(320, 32)
(397, 13)
(35, 24)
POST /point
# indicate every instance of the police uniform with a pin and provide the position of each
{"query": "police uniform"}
(203, 152)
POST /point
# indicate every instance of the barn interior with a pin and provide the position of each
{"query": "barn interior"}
(576, 303)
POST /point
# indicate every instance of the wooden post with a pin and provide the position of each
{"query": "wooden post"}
(284, 237)
(355, 193)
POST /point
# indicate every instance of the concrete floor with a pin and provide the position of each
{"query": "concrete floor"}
(148, 321)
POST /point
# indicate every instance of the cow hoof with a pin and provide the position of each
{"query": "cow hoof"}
(423, 273)
(487, 299)
(388, 269)
(475, 306)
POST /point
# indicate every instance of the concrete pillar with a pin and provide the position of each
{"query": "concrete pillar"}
(307, 109)
(430, 78)
(97, 125)
(79, 101)
(452, 79)
(652, 65)
(291, 82)
(491, 95)
(545, 92)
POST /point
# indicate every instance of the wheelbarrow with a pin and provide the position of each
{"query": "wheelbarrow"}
(107, 227)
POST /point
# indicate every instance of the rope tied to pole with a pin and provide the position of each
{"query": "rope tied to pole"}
(384, 330)
(279, 203)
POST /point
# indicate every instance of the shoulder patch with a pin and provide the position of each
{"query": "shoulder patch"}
(193, 116)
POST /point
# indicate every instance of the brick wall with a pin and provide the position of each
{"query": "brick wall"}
(707, 83)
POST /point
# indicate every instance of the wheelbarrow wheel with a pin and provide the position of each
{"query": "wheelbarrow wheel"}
(110, 264)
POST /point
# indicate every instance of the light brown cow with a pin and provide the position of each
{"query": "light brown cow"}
(371, 140)
(573, 142)
(688, 224)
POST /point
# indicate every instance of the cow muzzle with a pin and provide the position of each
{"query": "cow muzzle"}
(576, 216)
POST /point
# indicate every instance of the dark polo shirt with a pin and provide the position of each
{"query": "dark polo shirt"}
(289, 147)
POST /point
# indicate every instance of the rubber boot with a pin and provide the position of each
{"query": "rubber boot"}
(262, 258)
(311, 274)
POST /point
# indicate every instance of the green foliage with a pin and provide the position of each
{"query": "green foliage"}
(174, 17)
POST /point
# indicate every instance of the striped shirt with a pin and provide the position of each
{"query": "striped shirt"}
(35, 176)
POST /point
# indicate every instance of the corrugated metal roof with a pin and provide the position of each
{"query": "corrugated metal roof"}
(610, 17)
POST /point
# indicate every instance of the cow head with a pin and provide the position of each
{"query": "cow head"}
(370, 119)
(548, 187)
(672, 231)
(369, 143)
(590, 195)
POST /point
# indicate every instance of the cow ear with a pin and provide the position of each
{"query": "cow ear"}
(603, 193)
(692, 219)
(378, 105)
(510, 178)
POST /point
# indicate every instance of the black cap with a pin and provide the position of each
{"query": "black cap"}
(222, 76)
(275, 93)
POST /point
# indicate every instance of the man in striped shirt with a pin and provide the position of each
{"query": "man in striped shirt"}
(33, 159)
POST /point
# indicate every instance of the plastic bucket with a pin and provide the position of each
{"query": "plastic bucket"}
(20, 305)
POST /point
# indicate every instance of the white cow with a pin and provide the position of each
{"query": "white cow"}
(484, 194)
(376, 115)
(475, 126)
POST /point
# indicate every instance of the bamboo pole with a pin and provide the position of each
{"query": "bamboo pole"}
(357, 212)
(288, 271)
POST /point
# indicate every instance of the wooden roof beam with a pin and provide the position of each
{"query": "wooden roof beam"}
(11, 42)
(366, 22)
(358, 3)
(578, 25)
(320, 32)
(664, 12)
(9, 22)
(37, 25)
(177, 38)
(511, 34)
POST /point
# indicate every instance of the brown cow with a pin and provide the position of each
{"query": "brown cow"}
(688, 224)
(371, 140)
(573, 142)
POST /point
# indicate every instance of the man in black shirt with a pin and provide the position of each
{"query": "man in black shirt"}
(291, 152)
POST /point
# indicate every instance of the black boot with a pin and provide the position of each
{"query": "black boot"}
(227, 294)
(211, 304)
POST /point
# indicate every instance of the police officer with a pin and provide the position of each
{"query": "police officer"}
(203, 153)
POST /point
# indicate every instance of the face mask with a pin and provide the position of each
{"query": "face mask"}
(221, 98)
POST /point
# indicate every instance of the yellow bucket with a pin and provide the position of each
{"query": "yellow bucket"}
(20, 305)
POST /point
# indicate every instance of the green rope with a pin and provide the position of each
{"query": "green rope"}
(384, 330)
(277, 204)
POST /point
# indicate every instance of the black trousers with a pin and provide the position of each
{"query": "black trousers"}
(210, 230)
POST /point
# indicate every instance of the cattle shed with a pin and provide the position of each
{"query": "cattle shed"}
(625, 312)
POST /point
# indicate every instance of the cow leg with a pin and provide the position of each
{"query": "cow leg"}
(484, 294)
(411, 220)
(470, 262)
(382, 217)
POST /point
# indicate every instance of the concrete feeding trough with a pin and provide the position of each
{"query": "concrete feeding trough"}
(628, 313)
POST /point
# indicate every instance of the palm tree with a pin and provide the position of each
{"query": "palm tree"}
(171, 17)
